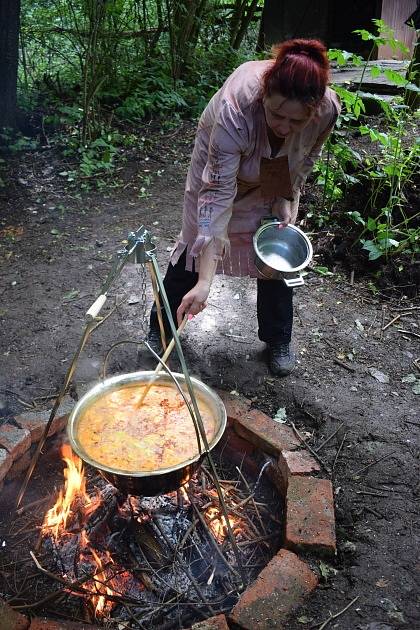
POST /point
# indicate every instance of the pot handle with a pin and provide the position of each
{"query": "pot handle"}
(294, 282)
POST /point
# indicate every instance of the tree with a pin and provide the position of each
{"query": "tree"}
(9, 55)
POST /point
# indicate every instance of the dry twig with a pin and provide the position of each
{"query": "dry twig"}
(336, 615)
(360, 470)
(337, 454)
(314, 453)
(328, 438)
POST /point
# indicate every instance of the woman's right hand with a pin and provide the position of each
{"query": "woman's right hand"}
(194, 301)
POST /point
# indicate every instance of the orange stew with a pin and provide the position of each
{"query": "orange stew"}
(117, 432)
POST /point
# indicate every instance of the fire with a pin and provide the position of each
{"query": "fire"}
(57, 517)
(99, 585)
(72, 508)
(218, 524)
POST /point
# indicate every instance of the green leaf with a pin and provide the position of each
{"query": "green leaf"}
(280, 416)
(371, 224)
(357, 217)
(412, 87)
(373, 249)
(71, 295)
(323, 271)
(395, 77)
(326, 570)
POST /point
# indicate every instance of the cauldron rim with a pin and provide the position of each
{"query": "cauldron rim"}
(115, 382)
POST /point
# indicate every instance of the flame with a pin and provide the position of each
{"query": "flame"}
(56, 518)
(218, 524)
(184, 494)
(102, 606)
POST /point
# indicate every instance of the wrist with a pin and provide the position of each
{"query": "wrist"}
(204, 283)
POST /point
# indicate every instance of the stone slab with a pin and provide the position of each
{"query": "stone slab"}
(278, 591)
(213, 623)
(11, 619)
(310, 521)
(6, 462)
(15, 440)
(265, 433)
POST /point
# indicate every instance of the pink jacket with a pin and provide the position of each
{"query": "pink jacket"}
(223, 198)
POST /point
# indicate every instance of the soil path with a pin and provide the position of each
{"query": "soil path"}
(354, 378)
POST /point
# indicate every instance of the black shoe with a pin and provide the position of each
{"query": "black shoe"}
(155, 342)
(281, 358)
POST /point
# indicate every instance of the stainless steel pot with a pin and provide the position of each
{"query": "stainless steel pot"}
(282, 252)
(153, 482)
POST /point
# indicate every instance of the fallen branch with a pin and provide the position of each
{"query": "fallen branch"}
(344, 365)
(372, 464)
(329, 438)
(408, 332)
(396, 318)
(337, 454)
(336, 615)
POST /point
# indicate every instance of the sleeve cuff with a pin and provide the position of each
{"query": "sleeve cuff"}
(222, 246)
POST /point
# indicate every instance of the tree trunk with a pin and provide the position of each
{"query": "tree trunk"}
(9, 55)
(185, 23)
(244, 23)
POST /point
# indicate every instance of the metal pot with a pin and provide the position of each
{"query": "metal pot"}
(282, 252)
(153, 482)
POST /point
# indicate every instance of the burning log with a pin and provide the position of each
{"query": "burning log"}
(107, 508)
(144, 535)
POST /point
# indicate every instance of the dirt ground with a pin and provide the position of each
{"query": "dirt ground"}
(356, 379)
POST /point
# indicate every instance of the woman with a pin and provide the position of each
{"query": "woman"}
(257, 141)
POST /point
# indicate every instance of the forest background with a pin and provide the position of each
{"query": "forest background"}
(84, 75)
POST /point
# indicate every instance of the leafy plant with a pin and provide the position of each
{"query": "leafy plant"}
(386, 228)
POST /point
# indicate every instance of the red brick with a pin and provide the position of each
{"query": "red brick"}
(236, 406)
(275, 476)
(310, 522)
(6, 462)
(265, 433)
(14, 440)
(19, 466)
(10, 619)
(213, 623)
(278, 591)
(35, 422)
(233, 443)
(293, 463)
(42, 623)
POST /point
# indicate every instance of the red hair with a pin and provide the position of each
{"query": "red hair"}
(300, 71)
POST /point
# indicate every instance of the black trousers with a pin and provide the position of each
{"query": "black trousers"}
(274, 303)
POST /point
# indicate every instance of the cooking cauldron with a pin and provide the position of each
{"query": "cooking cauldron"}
(281, 252)
(153, 482)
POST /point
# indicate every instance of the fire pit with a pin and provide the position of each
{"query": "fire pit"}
(156, 559)
(100, 557)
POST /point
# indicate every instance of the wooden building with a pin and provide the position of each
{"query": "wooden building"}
(334, 20)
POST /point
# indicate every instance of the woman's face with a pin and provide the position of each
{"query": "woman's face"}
(285, 116)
